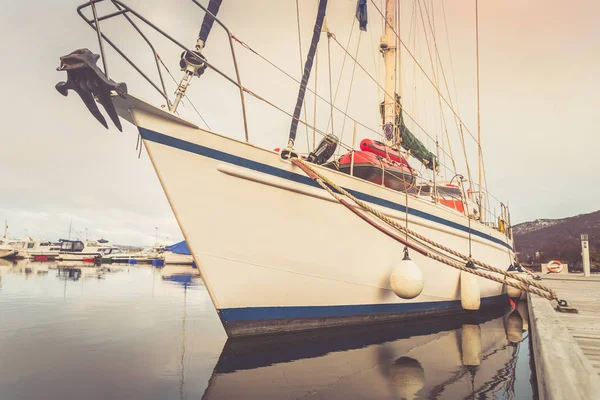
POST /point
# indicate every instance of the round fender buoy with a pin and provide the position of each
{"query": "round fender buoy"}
(554, 267)
(406, 279)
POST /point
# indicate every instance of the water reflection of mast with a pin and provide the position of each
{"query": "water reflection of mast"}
(181, 381)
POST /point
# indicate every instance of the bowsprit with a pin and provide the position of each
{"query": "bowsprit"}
(91, 84)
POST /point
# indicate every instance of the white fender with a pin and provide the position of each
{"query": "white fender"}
(406, 279)
(470, 296)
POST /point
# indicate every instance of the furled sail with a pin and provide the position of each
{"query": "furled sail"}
(207, 22)
(361, 14)
(307, 68)
(408, 141)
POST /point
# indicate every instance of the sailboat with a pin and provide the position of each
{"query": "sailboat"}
(277, 252)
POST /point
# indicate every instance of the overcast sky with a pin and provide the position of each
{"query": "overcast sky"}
(540, 69)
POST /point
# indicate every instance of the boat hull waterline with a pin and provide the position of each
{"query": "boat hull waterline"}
(277, 254)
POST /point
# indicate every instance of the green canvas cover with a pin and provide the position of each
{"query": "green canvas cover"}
(409, 142)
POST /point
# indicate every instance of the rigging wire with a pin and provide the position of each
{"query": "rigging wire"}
(315, 99)
(330, 92)
(337, 88)
(425, 73)
(458, 127)
(350, 89)
(246, 46)
(383, 89)
(443, 124)
(257, 96)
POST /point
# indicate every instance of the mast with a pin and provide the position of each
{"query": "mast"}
(478, 114)
(388, 48)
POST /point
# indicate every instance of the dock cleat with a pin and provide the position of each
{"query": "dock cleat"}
(91, 84)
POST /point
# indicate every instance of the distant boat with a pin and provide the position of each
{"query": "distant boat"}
(115, 255)
(178, 253)
(88, 250)
(30, 248)
(118, 256)
(6, 250)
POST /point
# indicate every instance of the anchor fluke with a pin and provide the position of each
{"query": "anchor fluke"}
(91, 84)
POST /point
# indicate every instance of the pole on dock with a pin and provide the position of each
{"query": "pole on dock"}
(585, 254)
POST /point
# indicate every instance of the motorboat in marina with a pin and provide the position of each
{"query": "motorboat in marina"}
(274, 233)
(6, 249)
(36, 249)
(144, 256)
(115, 255)
(83, 250)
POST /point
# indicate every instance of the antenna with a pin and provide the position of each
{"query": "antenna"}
(70, 226)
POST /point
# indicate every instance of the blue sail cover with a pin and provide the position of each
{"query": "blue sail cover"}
(179, 248)
(307, 68)
(361, 14)
(207, 22)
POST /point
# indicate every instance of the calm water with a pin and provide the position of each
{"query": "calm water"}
(143, 333)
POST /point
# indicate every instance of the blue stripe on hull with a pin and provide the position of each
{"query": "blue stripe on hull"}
(296, 312)
(170, 141)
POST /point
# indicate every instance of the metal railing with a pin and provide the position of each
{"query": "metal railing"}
(124, 10)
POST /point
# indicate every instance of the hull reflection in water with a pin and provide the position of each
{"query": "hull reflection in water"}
(452, 358)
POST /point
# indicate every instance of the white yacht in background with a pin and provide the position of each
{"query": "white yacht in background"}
(87, 251)
(30, 248)
(6, 249)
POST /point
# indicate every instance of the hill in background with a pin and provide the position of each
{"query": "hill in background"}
(543, 240)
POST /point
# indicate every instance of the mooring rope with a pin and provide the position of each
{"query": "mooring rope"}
(517, 281)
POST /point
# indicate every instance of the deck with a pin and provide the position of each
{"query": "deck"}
(567, 345)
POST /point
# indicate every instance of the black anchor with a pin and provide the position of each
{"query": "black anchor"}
(89, 82)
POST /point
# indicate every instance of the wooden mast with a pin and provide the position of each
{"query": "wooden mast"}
(387, 46)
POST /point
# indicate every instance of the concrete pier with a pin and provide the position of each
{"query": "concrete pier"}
(566, 346)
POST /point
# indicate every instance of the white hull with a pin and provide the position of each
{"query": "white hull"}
(78, 256)
(28, 254)
(180, 259)
(7, 252)
(277, 254)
